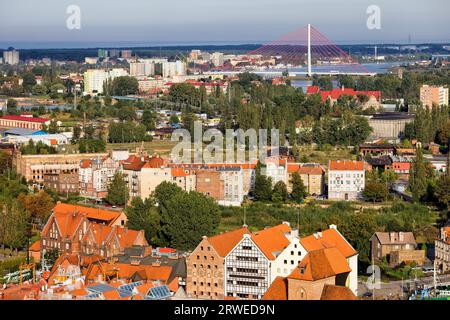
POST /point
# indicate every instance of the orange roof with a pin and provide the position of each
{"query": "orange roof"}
(180, 172)
(317, 170)
(331, 292)
(85, 163)
(90, 213)
(127, 237)
(272, 240)
(67, 223)
(320, 264)
(36, 246)
(329, 238)
(79, 292)
(342, 165)
(223, 243)
(155, 162)
(278, 290)
(112, 295)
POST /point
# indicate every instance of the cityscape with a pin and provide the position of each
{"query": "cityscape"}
(303, 167)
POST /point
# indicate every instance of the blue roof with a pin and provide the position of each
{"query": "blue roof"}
(20, 132)
(100, 288)
(130, 286)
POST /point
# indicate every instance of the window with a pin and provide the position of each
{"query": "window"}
(285, 261)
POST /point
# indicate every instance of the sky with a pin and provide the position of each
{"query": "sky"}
(40, 22)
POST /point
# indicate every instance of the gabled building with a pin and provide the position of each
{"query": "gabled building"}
(75, 229)
(248, 265)
(205, 265)
(332, 238)
(346, 179)
(321, 275)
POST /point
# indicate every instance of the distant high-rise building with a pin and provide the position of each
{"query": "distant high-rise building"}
(195, 54)
(126, 54)
(430, 95)
(175, 68)
(11, 57)
(113, 53)
(94, 79)
(217, 59)
(102, 53)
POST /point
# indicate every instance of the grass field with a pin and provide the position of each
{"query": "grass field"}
(322, 157)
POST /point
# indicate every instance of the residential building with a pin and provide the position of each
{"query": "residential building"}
(442, 250)
(94, 79)
(217, 59)
(312, 175)
(81, 230)
(346, 179)
(205, 265)
(11, 57)
(23, 121)
(185, 178)
(95, 175)
(126, 54)
(63, 182)
(276, 170)
(433, 95)
(396, 247)
(209, 182)
(33, 167)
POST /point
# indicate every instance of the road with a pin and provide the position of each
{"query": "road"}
(393, 290)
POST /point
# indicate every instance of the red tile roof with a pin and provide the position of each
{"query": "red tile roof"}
(321, 264)
(329, 238)
(331, 292)
(272, 240)
(25, 118)
(343, 165)
(278, 290)
(225, 242)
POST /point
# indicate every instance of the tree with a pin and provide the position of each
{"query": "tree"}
(14, 226)
(186, 217)
(418, 176)
(298, 188)
(279, 193)
(263, 187)
(442, 192)
(39, 204)
(28, 81)
(122, 86)
(76, 134)
(117, 191)
(39, 90)
(375, 191)
(149, 119)
(143, 215)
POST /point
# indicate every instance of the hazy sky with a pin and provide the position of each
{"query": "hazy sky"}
(343, 21)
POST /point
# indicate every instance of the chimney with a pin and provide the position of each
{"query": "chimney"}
(333, 226)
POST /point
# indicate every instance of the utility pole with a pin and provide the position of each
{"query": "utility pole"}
(309, 50)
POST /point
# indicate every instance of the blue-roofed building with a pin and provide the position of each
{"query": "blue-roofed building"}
(22, 132)
(158, 293)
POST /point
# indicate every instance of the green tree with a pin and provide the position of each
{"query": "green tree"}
(418, 176)
(143, 215)
(263, 188)
(298, 188)
(279, 193)
(122, 86)
(442, 192)
(117, 191)
(186, 217)
(375, 192)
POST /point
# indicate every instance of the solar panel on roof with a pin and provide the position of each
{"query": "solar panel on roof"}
(100, 288)
(130, 286)
(93, 296)
(158, 293)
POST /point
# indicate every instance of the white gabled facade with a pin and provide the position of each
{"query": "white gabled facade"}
(246, 271)
(289, 258)
(346, 180)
